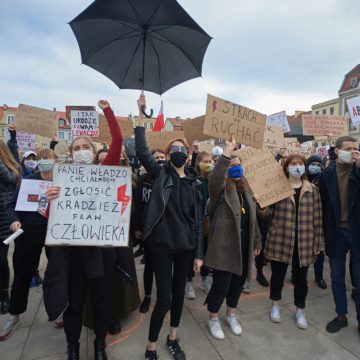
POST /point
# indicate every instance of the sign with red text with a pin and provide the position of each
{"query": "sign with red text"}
(32, 195)
(93, 208)
(224, 119)
(354, 109)
(320, 125)
(84, 123)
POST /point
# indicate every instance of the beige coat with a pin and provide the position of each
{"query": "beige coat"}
(224, 244)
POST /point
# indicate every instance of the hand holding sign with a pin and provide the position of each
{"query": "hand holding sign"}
(16, 225)
(53, 193)
(103, 104)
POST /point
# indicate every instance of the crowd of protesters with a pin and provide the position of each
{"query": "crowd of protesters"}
(189, 214)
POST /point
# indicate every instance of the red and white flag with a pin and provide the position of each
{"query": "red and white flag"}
(159, 122)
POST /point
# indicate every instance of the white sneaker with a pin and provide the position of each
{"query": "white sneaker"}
(206, 286)
(301, 322)
(234, 324)
(215, 329)
(275, 314)
(189, 291)
(10, 326)
(246, 288)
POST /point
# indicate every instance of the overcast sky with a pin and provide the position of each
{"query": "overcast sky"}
(267, 55)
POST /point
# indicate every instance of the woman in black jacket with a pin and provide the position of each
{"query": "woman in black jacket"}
(173, 228)
(10, 177)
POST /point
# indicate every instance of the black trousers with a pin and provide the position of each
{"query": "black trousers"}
(228, 285)
(28, 248)
(170, 275)
(148, 275)
(4, 267)
(99, 292)
(279, 270)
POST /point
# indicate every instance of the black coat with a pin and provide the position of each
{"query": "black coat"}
(163, 184)
(329, 192)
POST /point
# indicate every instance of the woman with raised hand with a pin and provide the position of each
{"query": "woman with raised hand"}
(173, 229)
(234, 239)
(28, 247)
(295, 238)
(10, 178)
(71, 270)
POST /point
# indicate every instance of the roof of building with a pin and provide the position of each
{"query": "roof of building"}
(3, 109)
(346, 84)
(176, 123)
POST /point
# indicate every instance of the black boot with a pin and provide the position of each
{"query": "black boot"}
(114, 327)
(261, 279)
(99, 348)
(320, 281)
(73, 351)
(4, 302)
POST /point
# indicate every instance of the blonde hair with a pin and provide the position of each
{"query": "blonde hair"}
(8, 160)
(85, 138)
(46, 153)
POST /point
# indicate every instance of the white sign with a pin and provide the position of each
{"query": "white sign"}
(32, 195)
(279, 119)
(354, 109)
(85, 123)
(93, 208)
(25, 141)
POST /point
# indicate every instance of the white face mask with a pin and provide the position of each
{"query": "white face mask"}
(296, 171)
(345, 156)
(83, 157)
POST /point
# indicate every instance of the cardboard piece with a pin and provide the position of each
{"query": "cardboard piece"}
(84, 123)
(36, 120)
(291, 146)
(274, 136)
(354, 109)
(45, 142)
(32, 195)
(193, 130)
(104, 131)
(224, 119)
(93, 208)
(25, 140)
(320, 125)
(265, 176)
(62, 148)
(204, 146)
(159, 140)
(68, 109)
(279, 119)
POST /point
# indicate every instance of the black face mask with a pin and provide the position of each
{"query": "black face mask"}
(178, 159)
(161, 162)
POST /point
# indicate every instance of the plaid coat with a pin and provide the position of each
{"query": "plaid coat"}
(281, 236)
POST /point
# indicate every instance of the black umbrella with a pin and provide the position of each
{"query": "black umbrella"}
(149, 45)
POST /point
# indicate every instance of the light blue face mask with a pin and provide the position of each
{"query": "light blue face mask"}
(296, 171)
(45, 165)
(314, 169)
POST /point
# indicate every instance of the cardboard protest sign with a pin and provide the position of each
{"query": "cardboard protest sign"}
(68, 109)
(291, 146)
(224, 119)
(62, 148)
(84, 123)
(205, 146)
(193, 129)
(265, 176)
(36, 120)
(322, 151)
(320, 125)
(45, 142)
(25, 141)
(104, 131)
(158, 140)
(279, 119)
(354, 109)
(274, 136)
(93, 208)
(32, 195)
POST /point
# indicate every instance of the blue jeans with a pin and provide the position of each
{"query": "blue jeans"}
(338, 271)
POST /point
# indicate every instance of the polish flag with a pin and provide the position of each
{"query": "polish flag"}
(159, 122)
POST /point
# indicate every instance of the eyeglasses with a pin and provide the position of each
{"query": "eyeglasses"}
(178, 149)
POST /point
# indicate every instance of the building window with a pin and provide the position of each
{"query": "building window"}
(61, 122)
(324, 112)
(10, 119)
(316, 112)
(61, 135)
(354, 83)
(332, 111)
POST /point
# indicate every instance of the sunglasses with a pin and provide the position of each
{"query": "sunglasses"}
(178, 149)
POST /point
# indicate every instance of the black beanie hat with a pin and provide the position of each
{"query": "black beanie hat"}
(314, 158)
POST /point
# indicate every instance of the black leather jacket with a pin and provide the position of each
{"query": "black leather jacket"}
(163, 184)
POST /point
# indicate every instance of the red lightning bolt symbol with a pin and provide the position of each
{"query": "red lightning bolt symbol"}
(123, 198)
(214, 105)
